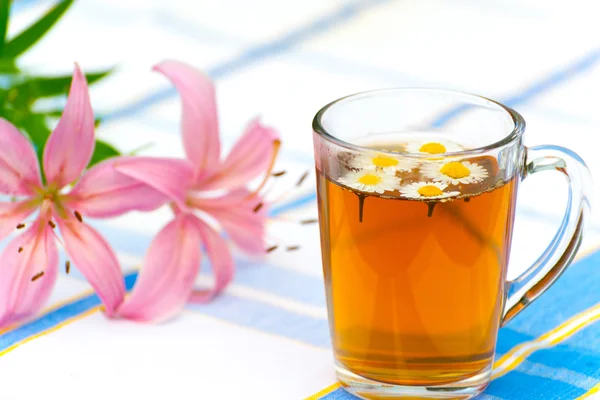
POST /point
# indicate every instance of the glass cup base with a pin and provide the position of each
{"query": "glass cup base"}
(369, 389)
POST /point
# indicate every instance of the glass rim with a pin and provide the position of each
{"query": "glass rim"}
(517, 132)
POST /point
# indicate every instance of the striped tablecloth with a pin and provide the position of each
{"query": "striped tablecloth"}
(267, 336)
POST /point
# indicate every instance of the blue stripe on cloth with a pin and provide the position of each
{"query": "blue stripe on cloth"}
(267, 318)
(577, 360)
(562, 374)
(260, 52)
(296, 203)
(55, 317)
(249, 313)
(258, 275)
(575, 291)
(508, 338)
(549, 82)
(339, 394)
(587, 339)
(517, 385)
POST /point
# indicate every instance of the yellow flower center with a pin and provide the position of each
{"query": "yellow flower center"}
(430, 191)
(369, 179)
(455, 170)
(433, 148)
(384, 161)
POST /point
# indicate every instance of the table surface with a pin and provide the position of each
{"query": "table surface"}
(266, 337)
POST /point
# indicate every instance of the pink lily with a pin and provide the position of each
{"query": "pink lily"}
(209, 195)
(28, 265)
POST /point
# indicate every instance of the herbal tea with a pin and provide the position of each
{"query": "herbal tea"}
(414, 258)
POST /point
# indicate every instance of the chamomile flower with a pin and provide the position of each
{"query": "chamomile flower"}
(426, 190)
(425, 147)
(455, 172)
(369, 180)
(386, 163)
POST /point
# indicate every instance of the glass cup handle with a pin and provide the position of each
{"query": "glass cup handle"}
(561, 251)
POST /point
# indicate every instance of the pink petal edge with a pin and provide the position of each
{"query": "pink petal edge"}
(104, 192)
(70, 146)
(170, 176)
(199, 122)
(238, 215)
(13, 214)
(24, 257)
(95, 259)
(250, 157)
(221, 261)
(168, 273)
(19, 167)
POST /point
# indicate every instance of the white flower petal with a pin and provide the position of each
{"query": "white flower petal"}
(412, 190)
(477, 173)
(387, 181)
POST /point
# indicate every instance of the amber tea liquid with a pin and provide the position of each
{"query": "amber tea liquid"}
(415, 288)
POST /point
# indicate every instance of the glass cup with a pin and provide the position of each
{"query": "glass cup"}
(416, 193)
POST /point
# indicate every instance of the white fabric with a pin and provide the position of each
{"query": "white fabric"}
(265, 338)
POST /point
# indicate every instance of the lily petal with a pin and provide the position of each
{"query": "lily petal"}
(13, 214)
(23, 258)
(93, 256)
(170, 176)
(221, 261)
(19, 168)
(168, 273)
(245, 228)
(252, 155)
(199, 123)
(70, 147)
(104, 192)
(241, 215)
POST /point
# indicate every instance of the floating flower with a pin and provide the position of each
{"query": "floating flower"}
(426, 190)
(455, 172)
(439, 147)
(384, 163)
(370, 181)
(204, 190)
(29, 263)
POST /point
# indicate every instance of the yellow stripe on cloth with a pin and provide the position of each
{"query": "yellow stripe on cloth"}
(47, 310)
(519, 353)
(54, 328)
(592, 392)
(325, 391)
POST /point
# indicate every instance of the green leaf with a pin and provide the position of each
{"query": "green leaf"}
(4, 14)
(102, 151)
(8, 66)
(36, 127)
(35, 88)
(27, 38)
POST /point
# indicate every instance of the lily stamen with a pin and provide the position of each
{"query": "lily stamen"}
(302, 178)
(276, 146)
(52, 224)
(37, 276)
(78, 216)
(21, 226)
